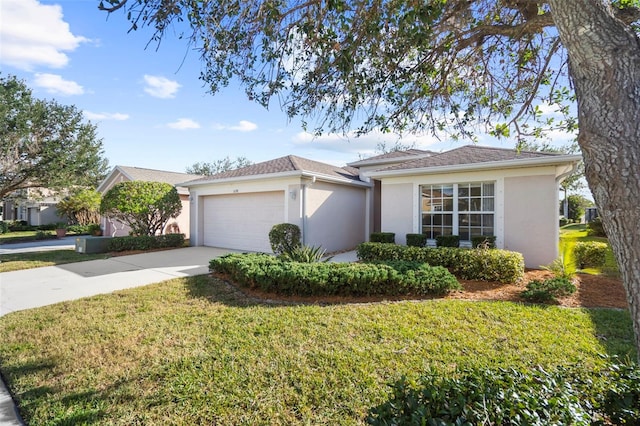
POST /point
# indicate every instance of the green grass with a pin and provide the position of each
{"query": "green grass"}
(571, 234)
(18, 261)
(194, 351)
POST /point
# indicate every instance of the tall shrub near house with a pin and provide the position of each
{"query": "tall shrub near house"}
(144, 206)
(82, 207)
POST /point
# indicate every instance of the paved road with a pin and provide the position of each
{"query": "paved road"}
(67, 243)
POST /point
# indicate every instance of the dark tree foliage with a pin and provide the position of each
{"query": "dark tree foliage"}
(44, 143)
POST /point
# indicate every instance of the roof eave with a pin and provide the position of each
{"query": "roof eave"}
(294, 173)
(504, 164)
(361, 163)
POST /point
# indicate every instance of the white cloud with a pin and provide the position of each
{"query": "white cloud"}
(184, 124)
(34, 34)
(54, 83)
(160, 87)
(242, 126)
(105, 116)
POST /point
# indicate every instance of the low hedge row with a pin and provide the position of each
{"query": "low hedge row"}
(567, 396)
(271, 274)
(145, 242)
(467, 264)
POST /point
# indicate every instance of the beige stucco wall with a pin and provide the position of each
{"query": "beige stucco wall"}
(335, 216)
(526, 207)
(531, 218)
(398, 207)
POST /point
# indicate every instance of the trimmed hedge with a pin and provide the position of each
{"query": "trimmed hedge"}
(567, 396)
(590, 254)
(448, 241)
(145, 242)
(284, 237)
(271, 274)
(480, 241)
(383, 237)
(467, 264)
(416, 240)
(548, 290)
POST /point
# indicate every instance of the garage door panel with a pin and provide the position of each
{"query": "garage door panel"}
(242, 221)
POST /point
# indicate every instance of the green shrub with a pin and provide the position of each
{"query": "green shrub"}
(383, 237)
(284, 237)
(271, 274)
(548, 290)
(43, 235)
(305, 254)
(145, 242)
(487, 265)
(590, 254)
(448, 241)
(566, 396)
(595, 228)
(563, 221)
(416, 240)
(4, 227)
(79, 229)
(483, 241)
(48, 227)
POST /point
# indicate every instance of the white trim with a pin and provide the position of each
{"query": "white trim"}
(264, 176)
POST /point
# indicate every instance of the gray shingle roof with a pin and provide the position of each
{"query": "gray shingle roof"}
(289, 163)
(392, 155)
(151, 175)
(469, 154)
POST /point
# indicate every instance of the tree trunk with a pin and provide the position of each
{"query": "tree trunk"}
(604, 62)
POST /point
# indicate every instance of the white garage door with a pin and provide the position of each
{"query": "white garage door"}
(242, 221)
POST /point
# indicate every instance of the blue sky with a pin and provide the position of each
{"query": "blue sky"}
(149, 105)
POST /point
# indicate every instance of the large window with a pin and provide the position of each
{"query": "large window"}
(464, 209)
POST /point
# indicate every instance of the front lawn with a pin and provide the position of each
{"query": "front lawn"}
(196, 351)
(18, 261)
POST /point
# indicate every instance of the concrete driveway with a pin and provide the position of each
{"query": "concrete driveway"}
(32, 288)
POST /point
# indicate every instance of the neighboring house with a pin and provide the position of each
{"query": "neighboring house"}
(471, 190)
(238, 208)
(36, 206)
(114, 228)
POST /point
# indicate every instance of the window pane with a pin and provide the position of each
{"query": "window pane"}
(447, 219)
(463, 204)
(447, 205)
(476, 205)
(487, 231)
(463, 190)
(447, 191)
(475, 220)
(426, 220)
(487, 205)
(437, 219)
(447, 231)
(476, 190)
(488, 189)
(476, 231)
(487, 220)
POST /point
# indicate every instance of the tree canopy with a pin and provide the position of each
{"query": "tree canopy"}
(217, 166)
(81, 206)
(145, 206)
(44, 143)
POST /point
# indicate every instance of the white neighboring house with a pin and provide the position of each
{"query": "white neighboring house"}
(115, 228)
(467, 191)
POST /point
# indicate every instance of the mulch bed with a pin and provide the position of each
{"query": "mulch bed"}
(593, 291)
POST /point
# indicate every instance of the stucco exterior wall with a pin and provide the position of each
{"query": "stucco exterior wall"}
(398, 207)
(335, 216)
(531, 218)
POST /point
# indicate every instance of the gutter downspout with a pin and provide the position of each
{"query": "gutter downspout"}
(559, 180)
